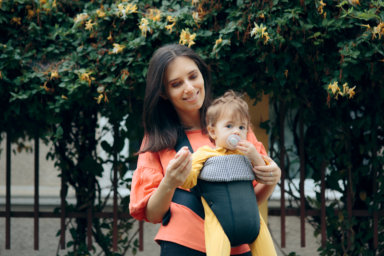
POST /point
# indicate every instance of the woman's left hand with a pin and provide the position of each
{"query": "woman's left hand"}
(267, 174)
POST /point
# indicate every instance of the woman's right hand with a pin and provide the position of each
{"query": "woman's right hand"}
(178, 168)
(175, 175)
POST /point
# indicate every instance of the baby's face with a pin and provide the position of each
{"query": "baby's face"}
(226, 126)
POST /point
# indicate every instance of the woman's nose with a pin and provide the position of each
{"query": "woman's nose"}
(189, 86)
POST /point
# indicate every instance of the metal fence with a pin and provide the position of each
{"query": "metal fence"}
(303, 212)
(63, 214)
(281, 211)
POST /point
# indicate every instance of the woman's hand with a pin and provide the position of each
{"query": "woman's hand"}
(175, 175)
(268, 174)
(178, 168)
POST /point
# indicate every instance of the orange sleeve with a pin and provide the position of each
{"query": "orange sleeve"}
(145, 180)
(259, 146)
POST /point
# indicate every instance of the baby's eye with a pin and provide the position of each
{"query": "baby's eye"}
(242, 127)
(228, 126)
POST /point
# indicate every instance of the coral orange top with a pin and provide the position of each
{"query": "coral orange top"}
(185, 227)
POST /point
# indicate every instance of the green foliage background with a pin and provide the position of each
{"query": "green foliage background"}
(60, 73)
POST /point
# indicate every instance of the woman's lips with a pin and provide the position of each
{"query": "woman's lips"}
(193, 98)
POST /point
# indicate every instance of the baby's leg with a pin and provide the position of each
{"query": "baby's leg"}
(263, 245)
(216, 241)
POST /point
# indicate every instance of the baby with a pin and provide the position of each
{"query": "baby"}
(223, 176)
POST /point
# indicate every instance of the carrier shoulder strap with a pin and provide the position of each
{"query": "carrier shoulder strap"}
(183, 197)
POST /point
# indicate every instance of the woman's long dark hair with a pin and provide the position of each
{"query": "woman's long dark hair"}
(161, 122)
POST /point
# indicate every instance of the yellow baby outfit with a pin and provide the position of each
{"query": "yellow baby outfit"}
(222, 166)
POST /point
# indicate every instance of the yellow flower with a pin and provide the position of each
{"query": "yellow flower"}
(378, 30)
(89, 25)
(100, 13)
(346, 91)
(195, 2)
(124, 74)
(321, 6)
(117, 48)
(99, 98)
(170, 27)
(54, 74)
(154, 14)
(86, 76)
(351, 92)
(367, 26)
(126, 9)
(334, 87)
(48, 89)
(187, 38)
(257, 30)
(64, 97)
(218, 41)
(109, 38)
(144, 26)
(260, 31)
(286, 73)
(354, 2)
(80, 18)
(43, 2)
(16, 20)
(131, 8)
(196, 17)
(1, 74)
(266, 38)
(31, 13)
(171, 19)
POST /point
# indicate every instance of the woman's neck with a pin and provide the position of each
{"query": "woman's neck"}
(191, 122)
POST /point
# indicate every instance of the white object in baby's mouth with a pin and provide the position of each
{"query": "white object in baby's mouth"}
(233, 140)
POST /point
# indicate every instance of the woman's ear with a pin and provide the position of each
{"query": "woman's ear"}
(211, 132)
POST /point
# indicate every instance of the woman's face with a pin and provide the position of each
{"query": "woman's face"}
(184, 86)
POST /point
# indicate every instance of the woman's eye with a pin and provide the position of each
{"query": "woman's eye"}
(192, 77)
(177, 84)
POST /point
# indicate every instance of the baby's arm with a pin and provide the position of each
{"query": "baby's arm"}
(197, 164)
(249, 150)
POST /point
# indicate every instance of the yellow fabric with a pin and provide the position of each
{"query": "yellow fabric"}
(198, 159)
(216, 241)
(263, 209)
(263, 245)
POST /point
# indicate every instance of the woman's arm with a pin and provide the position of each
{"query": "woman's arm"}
(267, 177)
(175, 175)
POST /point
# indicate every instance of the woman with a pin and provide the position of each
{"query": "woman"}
(176, 98)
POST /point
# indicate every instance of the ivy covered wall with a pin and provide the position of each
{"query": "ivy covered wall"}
(64, 63)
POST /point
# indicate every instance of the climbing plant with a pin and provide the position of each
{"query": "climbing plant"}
(64, 64)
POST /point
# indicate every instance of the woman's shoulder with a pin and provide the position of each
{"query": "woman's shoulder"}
(251, 137)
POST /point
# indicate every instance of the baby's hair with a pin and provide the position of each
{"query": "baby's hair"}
(232, 103)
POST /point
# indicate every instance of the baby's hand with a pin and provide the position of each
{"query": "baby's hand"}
(249, 150)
